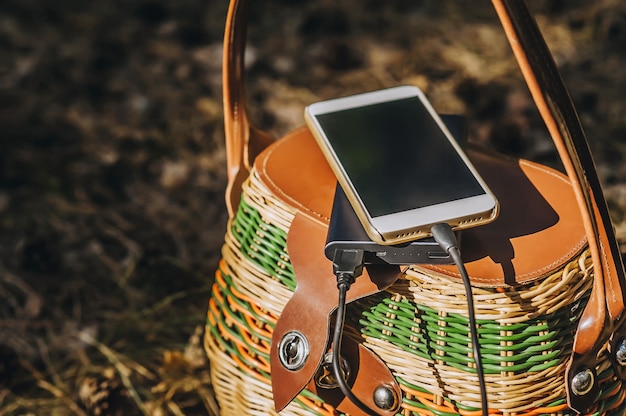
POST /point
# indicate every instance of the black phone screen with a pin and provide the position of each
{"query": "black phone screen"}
(397, 157)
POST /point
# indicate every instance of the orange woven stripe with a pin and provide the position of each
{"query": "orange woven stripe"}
(250, 317)
(262, 346)
(437, 407)
(262, 330)
(248, 370)
(427, 400)
(252, 360)
(219, 282)
(241, 296)
(615, 390)
(544, 410)
(212, 311)
(324, 409)
(266, 315)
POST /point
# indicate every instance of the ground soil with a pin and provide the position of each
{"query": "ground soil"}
(112, 161)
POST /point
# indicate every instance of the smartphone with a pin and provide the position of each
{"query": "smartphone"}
(346, 232)
(399, 166)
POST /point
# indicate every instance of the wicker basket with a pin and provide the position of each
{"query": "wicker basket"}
(536, 333)
(419, 327)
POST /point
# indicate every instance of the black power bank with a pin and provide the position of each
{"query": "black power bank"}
(346, 231)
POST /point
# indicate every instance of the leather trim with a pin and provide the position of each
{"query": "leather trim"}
(243, 141)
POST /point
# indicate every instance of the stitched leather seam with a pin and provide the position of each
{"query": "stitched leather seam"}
(544, 169)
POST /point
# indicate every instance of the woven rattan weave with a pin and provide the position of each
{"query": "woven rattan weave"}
(418, 327)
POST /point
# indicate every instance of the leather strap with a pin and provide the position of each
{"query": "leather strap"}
(557, 110)
(243, 141)
(603, 316)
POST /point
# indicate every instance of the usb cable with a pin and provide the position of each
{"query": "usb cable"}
(443, 234)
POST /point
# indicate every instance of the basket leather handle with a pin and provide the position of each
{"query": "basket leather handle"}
(602, 319)
(603, 316)
(243, 141)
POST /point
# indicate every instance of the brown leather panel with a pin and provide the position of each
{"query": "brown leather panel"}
(295, 169)
(313, 301)
(539, 228)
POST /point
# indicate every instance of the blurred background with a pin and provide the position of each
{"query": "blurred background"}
(112, 162)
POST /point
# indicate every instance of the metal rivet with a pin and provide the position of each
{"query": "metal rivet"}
(582, 382)
(325, 376)
(620, 353)
(385, 398)
(293, 350)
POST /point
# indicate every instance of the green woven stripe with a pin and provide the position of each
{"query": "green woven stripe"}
(534, 345)
(263, 244)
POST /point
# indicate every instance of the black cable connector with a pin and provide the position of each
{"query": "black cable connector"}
(446, 239)
(347, 265)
